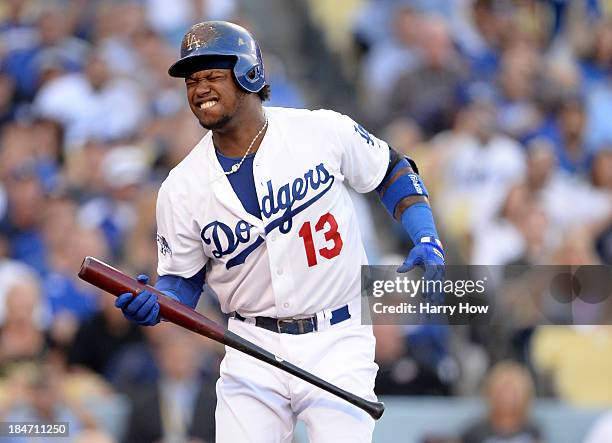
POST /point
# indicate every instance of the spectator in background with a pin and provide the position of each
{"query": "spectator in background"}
(124, 170)
(53, 39)
(404, 135)
(60, 229)
(414, 360)
(601, 177)
(136, 367)
(176, 144)
(598, 109)
(517, 111)
(36, 145)
(372, 21)
(387, 60)
(171, 19)
(82, 172)
(366, 227)
(595, 53)
(116, 24)
(101, 338)
(565, 130)
(43, 403)
(523, 226)
(478, 167)
(601, 172)
(71, 300)
(180, 406)
(164, 94)
(286, 93)
(508, 392)
(562, 195)
(7, 98)
(140, 252)
(17, 31)
(21, 222)
(22, 335)
(428, 93)
(93, 104)
(479, 36)
(47, 138)
(11, 272)
(559, 77)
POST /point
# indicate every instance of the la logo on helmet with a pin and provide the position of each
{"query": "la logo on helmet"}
(192, 41)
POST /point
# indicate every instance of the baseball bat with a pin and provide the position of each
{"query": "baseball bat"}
(116, 282)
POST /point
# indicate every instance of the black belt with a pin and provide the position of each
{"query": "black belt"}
(296, 326)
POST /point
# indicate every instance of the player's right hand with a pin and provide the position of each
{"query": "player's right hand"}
(142, 309)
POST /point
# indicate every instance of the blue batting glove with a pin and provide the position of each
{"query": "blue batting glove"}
(142, 309)
(429, 255)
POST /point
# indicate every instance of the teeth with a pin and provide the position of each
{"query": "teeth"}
(208, 104)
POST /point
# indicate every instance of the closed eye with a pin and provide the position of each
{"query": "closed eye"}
(212, 77)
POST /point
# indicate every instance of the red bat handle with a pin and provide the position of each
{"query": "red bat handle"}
(116, 282)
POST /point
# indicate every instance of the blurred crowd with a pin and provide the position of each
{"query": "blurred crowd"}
(90, 123)
(504, 104)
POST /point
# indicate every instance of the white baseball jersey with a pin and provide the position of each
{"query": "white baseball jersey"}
(304, 254)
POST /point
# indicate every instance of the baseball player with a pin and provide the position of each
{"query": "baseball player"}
(260, 210)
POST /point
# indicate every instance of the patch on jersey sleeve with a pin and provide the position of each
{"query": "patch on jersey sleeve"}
(164, 247)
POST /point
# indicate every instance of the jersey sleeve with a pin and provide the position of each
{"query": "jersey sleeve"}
(179, 248)
(365, 158)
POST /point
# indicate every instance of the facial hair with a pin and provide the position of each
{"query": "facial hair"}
(214, 126)
(225, 118)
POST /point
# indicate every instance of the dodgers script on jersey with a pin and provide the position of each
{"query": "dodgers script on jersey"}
(304, 254)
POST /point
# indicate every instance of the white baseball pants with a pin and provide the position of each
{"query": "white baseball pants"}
(260, 403)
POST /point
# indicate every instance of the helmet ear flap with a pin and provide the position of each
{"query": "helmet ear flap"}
(249, 73)
(254, 74)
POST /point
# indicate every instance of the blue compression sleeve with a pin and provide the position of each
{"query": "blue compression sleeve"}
(418, 221)
(185, 290)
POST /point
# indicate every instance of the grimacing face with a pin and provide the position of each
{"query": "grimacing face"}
(214, 97)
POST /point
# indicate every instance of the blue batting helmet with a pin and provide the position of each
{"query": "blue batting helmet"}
(216, 39)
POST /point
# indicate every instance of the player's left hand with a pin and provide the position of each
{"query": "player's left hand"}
(428, 255)
(143, 308)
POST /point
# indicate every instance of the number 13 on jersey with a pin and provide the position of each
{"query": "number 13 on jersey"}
(328, 223)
